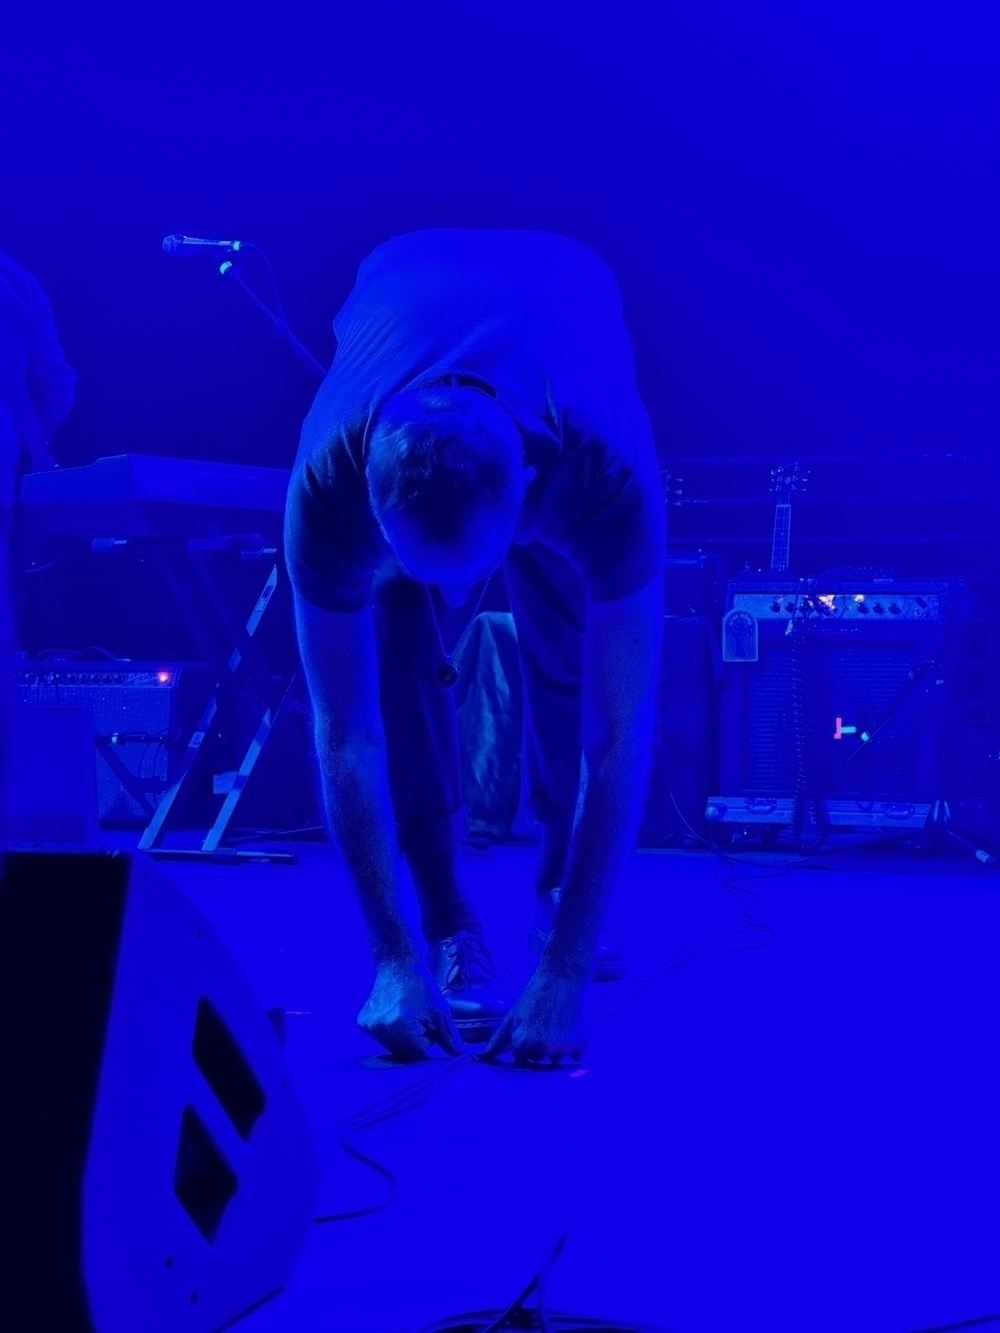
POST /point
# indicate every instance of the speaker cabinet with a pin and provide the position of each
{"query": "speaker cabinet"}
(51, 791)
(156, 1168)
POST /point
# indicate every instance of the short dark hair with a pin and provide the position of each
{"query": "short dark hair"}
(440, 452)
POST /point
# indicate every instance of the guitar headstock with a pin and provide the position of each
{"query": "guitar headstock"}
(788, 479)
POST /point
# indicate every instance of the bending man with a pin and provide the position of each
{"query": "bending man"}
(481, 411)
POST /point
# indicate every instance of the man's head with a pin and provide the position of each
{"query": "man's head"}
(446, 477)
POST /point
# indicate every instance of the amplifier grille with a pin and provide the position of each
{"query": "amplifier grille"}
(854, 682)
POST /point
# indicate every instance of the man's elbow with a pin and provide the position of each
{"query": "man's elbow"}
(620, 728)
(346, 749)
(621, 746)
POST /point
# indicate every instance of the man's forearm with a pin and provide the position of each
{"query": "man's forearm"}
(359, 809)
(604, 836)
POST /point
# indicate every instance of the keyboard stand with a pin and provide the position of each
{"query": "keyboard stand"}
(250, 689)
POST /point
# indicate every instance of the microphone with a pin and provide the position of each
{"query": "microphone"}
(178, 245)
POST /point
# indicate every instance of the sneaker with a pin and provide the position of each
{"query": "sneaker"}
(478, 989)
(609, 964)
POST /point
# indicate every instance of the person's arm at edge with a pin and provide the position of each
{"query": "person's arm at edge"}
(51, 379)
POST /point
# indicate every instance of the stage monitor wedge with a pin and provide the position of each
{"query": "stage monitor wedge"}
(156, 1168)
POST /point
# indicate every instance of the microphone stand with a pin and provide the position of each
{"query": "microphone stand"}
(281, 329)
(212, 847)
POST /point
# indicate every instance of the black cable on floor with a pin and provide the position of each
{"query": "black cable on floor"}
(518, 1316)
(383, 1171)
(398, 1103)
(954, 1328)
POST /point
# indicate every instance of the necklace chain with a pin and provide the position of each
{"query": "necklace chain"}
(447, 675)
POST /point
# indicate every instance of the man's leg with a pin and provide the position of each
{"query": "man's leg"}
(548, 600)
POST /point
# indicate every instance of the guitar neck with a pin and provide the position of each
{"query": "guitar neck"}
(781, 542)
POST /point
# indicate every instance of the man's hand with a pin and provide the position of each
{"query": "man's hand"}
(546, 1022)
(406, 1012)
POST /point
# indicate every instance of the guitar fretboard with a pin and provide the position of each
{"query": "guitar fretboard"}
(782, 540)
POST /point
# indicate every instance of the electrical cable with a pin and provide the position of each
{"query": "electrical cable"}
(377, 1167)
(398, 1103)
(536, 1284)
(516, 1316)
(625, 996)
(685, 955)
(414, 1095)
(965, 1323)
(279, 305)
(806, 801)
(916, 675)
(272, 835)
(559, 1321)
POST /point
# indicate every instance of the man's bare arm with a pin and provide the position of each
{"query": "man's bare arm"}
(622, 653)
(341, 667)
(621, 666)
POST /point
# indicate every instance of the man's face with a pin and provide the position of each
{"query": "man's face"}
(459, 568)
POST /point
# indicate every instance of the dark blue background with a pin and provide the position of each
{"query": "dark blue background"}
(801, 207)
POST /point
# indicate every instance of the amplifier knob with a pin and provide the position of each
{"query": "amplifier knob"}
(775, 607)
(863, 608)
(879, 609)
(894, 610)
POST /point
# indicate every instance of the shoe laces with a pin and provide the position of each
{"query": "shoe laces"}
(467, 954)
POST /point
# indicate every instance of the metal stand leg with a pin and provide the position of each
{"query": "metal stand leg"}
(940, 832)
(242, 669)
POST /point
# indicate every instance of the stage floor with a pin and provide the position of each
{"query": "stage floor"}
(787, 1119)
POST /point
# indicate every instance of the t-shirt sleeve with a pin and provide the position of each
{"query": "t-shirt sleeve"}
(332, 542)
(604, 507)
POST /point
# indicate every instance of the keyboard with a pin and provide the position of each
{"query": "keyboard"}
(143, 495)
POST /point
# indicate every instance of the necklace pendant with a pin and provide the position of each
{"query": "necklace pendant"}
(447, 675)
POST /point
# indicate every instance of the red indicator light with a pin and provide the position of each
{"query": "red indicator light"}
(163, 677)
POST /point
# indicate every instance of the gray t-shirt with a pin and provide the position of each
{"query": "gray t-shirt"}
(539, 319)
